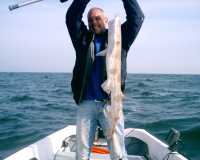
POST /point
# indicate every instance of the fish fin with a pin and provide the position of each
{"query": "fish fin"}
(106, 86)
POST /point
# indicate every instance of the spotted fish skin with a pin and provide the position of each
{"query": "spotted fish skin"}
(112, 85)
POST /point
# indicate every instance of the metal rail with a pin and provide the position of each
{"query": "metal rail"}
(18, 5)
(22, 4)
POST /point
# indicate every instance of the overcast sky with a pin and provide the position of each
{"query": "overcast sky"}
(35, 38)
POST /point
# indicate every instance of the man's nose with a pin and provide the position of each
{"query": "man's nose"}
(94, 21)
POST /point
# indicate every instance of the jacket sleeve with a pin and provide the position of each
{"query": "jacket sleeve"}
(133, 23)
(75, 25)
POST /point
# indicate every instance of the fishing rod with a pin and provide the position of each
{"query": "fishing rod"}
(26, 3)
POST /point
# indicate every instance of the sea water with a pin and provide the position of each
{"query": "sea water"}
(34, 105)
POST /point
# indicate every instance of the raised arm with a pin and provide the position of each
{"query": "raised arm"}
(75, 25)
(133, 23)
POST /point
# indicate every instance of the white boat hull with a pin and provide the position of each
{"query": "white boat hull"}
(49, 148)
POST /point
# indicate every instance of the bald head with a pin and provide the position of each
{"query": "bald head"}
(97, 20)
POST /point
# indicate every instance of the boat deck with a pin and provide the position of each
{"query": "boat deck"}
(71, 155)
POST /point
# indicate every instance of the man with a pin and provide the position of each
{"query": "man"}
(90, 72)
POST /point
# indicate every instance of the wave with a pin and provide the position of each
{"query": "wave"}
(141, 84)
(149, 80)
(21, 98)
(192, 133)
(8, 119)
(61, 91)
(147, 93)
(190, 142)
(190, 98)
(18, 138)
(175, 120)
(11, 117)
(163, 126)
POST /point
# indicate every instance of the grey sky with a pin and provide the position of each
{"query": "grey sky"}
(35, 38)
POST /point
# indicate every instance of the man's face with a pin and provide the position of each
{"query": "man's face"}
(97, 21)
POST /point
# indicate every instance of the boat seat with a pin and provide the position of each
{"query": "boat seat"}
(135, 146)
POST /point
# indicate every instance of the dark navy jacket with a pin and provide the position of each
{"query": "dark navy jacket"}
(82, 40)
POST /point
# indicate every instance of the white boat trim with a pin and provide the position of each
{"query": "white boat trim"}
(46, 148)
(40, 150)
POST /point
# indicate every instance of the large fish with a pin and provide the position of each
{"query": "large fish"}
(112, 85)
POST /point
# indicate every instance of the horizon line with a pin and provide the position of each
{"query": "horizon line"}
(60, 72)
